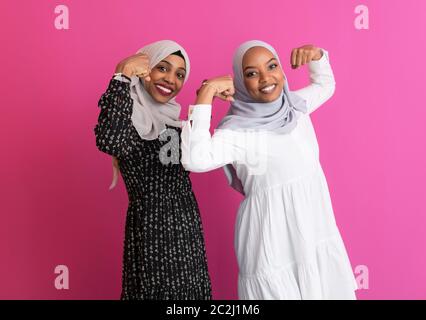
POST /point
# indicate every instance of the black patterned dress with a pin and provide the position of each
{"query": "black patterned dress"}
(164, 253)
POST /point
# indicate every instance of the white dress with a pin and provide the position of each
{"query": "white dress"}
(287, 243)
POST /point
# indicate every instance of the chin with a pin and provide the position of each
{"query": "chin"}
(268, 99)
(262, 98)
(159, 98)
(275, 98)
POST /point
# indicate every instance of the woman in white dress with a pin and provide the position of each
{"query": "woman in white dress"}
(287, 243)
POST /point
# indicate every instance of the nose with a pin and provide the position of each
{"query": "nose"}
(169, 78)
(263, 77)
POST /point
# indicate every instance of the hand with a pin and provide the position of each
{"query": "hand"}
(221, 87)
(305, 54)
(136, 65)
(115, 173)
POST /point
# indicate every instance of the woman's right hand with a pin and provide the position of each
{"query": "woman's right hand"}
(221, 87)
(135, 65)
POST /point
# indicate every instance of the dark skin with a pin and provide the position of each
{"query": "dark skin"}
(162, 83)
(263, 76)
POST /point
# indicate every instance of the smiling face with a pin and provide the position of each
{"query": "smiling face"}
(263, 76)
(167, 78)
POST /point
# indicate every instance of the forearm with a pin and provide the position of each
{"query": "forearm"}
(322, 85)
(205, 95)
(202, 152)
(114, 128)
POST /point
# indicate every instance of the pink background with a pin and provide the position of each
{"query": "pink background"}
(55, 205)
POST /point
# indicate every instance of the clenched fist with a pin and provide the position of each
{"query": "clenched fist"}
(221, 87)
(305, 54)
(135, 65)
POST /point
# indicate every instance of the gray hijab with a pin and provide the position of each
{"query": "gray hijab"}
(148, 116)
(278, 116)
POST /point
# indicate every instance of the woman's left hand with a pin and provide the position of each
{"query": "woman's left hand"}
(304, 55)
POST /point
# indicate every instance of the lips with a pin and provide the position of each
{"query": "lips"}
(164, 89)
(268, 88)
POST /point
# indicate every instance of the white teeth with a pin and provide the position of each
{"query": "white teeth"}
(268, 88)
(163, 88)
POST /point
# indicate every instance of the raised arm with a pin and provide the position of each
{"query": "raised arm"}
(203, 152)
(200, 151)
(114, 130)
(322, 85)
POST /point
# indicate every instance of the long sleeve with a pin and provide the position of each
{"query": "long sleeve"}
(322, 84)
(202, 152)
(114, 130)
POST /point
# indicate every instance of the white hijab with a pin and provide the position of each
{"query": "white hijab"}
(245, 113)
(150, 117)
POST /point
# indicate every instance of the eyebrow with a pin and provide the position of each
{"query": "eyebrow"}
(255, 67)
(165, 61)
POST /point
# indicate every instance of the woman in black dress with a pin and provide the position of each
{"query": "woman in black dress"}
(164, 252)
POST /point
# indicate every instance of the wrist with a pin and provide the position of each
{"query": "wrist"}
(319, 55)
(119, 68)
(122, 77)
(205, 94)
(127, 71)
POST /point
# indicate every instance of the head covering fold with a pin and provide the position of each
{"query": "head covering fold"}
(150, 117)
(245, 113)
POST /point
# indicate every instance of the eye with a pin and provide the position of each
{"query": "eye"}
(273, 66)
(250, 74)
(180, 76)
(162, 68)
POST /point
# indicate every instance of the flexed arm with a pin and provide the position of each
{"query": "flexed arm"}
(323, 84)
(200, 151)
